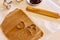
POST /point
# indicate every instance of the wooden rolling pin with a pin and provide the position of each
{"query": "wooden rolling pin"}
(43, 12)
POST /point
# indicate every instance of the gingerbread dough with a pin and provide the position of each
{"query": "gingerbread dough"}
(18, 26)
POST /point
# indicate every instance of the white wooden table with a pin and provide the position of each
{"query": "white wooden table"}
(50, 26)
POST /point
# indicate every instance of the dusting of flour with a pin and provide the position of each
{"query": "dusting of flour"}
(57, 2)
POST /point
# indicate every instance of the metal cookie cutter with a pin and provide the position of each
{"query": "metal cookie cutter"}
(19, 1)
(7, 4)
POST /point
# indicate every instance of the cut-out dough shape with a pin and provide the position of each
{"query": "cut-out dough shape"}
(18, 26)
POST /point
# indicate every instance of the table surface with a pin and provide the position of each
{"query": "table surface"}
(50, 26)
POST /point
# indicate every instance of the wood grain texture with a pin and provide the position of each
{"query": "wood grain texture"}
(18, 26)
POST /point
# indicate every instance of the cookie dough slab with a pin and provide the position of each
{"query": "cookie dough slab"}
(18, 26)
